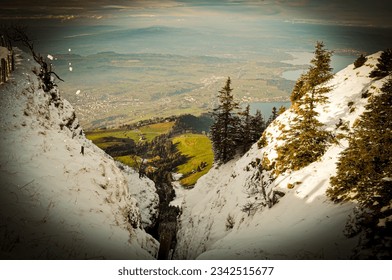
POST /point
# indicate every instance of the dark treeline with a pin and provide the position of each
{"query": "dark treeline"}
(234, 131)
(149, 122)
(192, 124)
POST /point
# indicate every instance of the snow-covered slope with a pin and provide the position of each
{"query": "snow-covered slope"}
(304, 223)
(55, 201)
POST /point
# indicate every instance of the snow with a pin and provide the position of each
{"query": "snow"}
(57, 203)
(180, 192)
(304, 224)
(143, 190)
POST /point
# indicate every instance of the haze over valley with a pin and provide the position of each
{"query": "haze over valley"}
(138, 61)
(195, 129)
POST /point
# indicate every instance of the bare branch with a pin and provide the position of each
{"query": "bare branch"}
(19, 34)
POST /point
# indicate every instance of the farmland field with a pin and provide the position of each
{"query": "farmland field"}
(197, 147)
(109, 137)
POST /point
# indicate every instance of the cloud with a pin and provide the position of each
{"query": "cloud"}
(359, 12)
(76, 9)
(348, 12)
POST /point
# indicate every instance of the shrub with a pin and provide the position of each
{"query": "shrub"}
(229, 222)
(384, 65)
(360, 61)
(250, 208)
(262, 142)
(365, 94)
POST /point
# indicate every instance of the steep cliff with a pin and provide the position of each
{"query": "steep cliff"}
(246, 210)
(61, 197)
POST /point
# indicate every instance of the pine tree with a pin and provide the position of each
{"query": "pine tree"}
(364, 171)
(250, 130)
(360, 61)
(364, 175)
(319, 72)
(245, 130)
(282, 109)
(300, 88)
(225, 127)
(273, 116)
(306, 141)
(257, 126)
(384, 65)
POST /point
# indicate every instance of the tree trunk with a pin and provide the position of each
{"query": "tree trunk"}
(3, 70)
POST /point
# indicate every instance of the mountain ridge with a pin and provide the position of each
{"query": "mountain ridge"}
(64, 198)
(224, 217)
(61, 196)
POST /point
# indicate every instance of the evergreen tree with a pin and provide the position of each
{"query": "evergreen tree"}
(245, 130)
(319, 72)
(306, 141)
(360, 61)
(282, 109)
(273, 116)
(225, 127)
(364, 175)
(384, 65)
(300, 88)
(364, 171)
(257, 126)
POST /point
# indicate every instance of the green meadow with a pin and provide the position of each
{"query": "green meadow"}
(197, 147)
(104, 138)
(154, 130)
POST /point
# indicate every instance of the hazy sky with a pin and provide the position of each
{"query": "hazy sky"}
(93, 26)
(357, 12)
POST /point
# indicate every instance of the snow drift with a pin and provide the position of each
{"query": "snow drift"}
(58, 202)
(216, 222)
